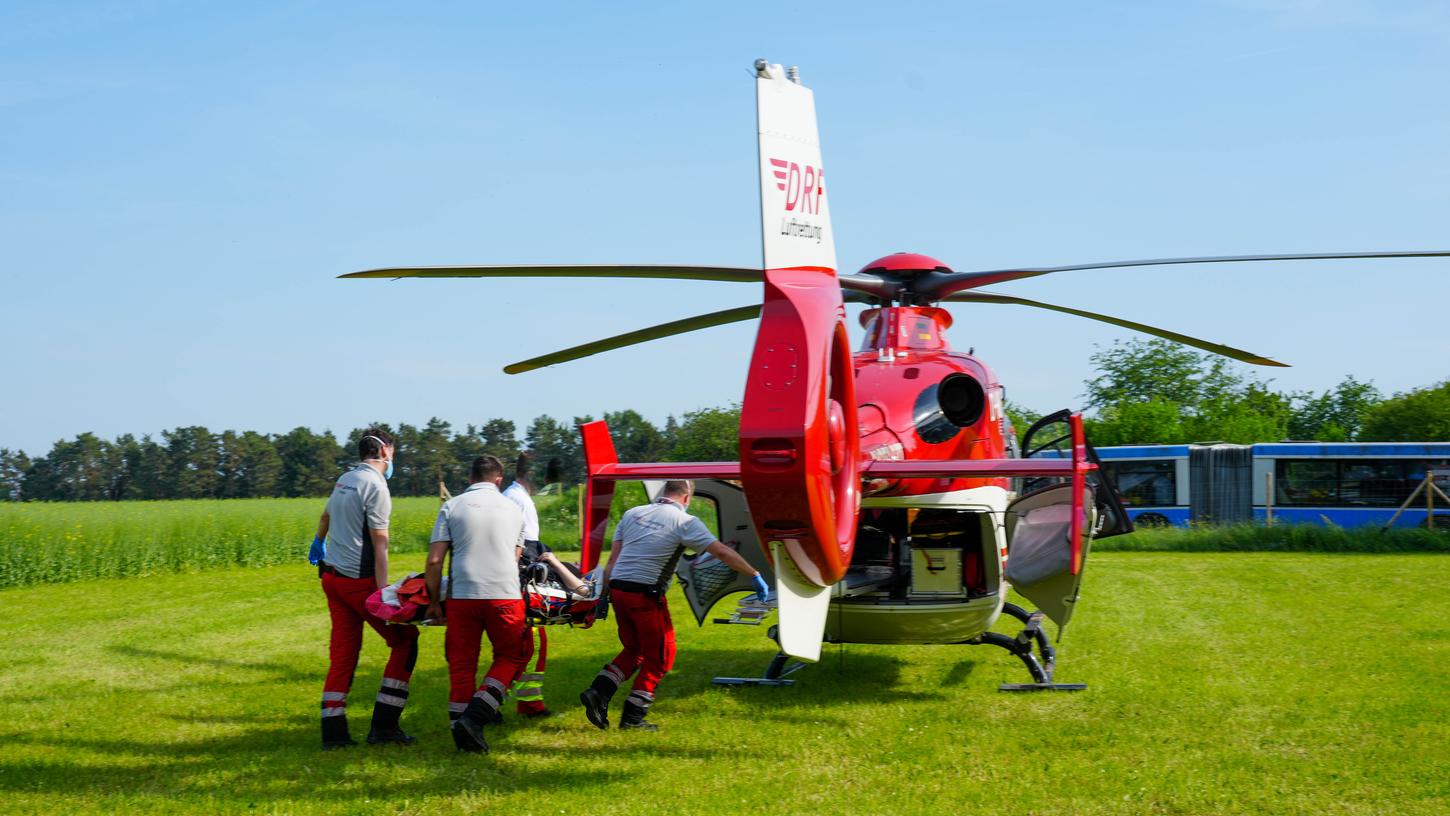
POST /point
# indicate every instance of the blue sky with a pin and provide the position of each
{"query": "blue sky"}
(180, 183)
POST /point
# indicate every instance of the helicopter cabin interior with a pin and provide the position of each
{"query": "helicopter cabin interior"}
(926, 555)
(903, 555)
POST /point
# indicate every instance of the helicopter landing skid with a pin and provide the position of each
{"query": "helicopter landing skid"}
(775, 673)
(1021, 646)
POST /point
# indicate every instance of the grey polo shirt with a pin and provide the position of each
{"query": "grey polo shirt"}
(484, 529)
(648, 537)
(360, 502)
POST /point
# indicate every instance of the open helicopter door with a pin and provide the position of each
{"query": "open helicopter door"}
(1051, 525)
(705, 579)
(1041, 551)
(799, 451)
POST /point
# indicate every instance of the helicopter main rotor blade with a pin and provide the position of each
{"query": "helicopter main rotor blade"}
(938, 285)
(689, 324)
(1216, 348)
(658, 272)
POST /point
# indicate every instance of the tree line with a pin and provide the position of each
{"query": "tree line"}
(197, 463)
(1144, 392)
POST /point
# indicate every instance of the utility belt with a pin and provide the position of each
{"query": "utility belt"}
(324, 568)
(655, 591)
(658, 588)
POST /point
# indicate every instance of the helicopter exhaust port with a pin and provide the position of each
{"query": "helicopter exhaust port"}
(961, 399)
(943, 409)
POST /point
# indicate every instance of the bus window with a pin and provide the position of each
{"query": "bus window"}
(1373, 482)
(1149, 483)
(1306, 482)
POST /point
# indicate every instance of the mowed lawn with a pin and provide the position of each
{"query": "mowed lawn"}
(1219, 683)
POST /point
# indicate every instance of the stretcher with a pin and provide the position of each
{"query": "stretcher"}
(546, 602)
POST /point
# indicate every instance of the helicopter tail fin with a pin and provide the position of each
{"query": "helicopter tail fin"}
(794, 208)
(801, 606)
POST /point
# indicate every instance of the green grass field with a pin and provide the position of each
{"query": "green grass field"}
(1219, 683)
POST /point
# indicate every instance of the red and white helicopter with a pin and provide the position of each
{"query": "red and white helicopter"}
(882, 489)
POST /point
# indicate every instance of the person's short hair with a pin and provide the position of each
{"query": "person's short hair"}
(553, 472)
(486, 468)
(678, 487)
(521, 469)
(373, 440)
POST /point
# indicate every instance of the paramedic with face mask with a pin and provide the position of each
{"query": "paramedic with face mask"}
(351, 553)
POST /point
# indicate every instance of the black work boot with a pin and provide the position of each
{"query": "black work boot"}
(468, 736)
(468, 728)
(596, 698)
(633, 716)
(385, 728)
(334, 733)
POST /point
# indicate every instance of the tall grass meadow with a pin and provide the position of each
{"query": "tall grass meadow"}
(43, 542)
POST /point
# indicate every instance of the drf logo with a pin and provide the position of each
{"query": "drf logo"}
(803, 185)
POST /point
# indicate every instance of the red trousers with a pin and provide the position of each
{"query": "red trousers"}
(345, 599)
(648, 636)
(508, 634)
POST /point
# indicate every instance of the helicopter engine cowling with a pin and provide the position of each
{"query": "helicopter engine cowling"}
(929, 402)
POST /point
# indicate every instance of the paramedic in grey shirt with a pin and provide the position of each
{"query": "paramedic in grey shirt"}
(352, 536)
(647, 545)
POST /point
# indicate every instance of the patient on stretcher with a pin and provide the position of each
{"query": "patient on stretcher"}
(547, 601)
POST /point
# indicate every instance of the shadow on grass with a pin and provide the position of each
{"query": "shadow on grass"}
(277, 671)
(272, 755)
(268, 765)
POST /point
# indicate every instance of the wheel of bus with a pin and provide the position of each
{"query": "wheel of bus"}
(1151, 520)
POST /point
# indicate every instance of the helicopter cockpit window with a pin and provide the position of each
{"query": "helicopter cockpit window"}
(870, 342)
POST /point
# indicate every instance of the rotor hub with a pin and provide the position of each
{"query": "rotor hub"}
(904, 265)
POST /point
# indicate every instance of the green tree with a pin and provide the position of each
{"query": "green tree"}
(1021, 417)
(500, 437)
(548, 439)
(81, 469)
(708, 435)
(1155, 391)
(1336, 415)
(250, 466)
(422, 457)
(1141, 370)
(146, 465)
(636, 439)
(311, 462)
(1253, 414)
(193, 463)
(13, 465)
(1154, 421)
(1421, 415)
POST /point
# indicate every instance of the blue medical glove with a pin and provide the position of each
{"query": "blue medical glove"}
(762, 589)
(601, 606)
(318, 551)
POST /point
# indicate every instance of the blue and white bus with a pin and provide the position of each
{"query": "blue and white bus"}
(1350, 484)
